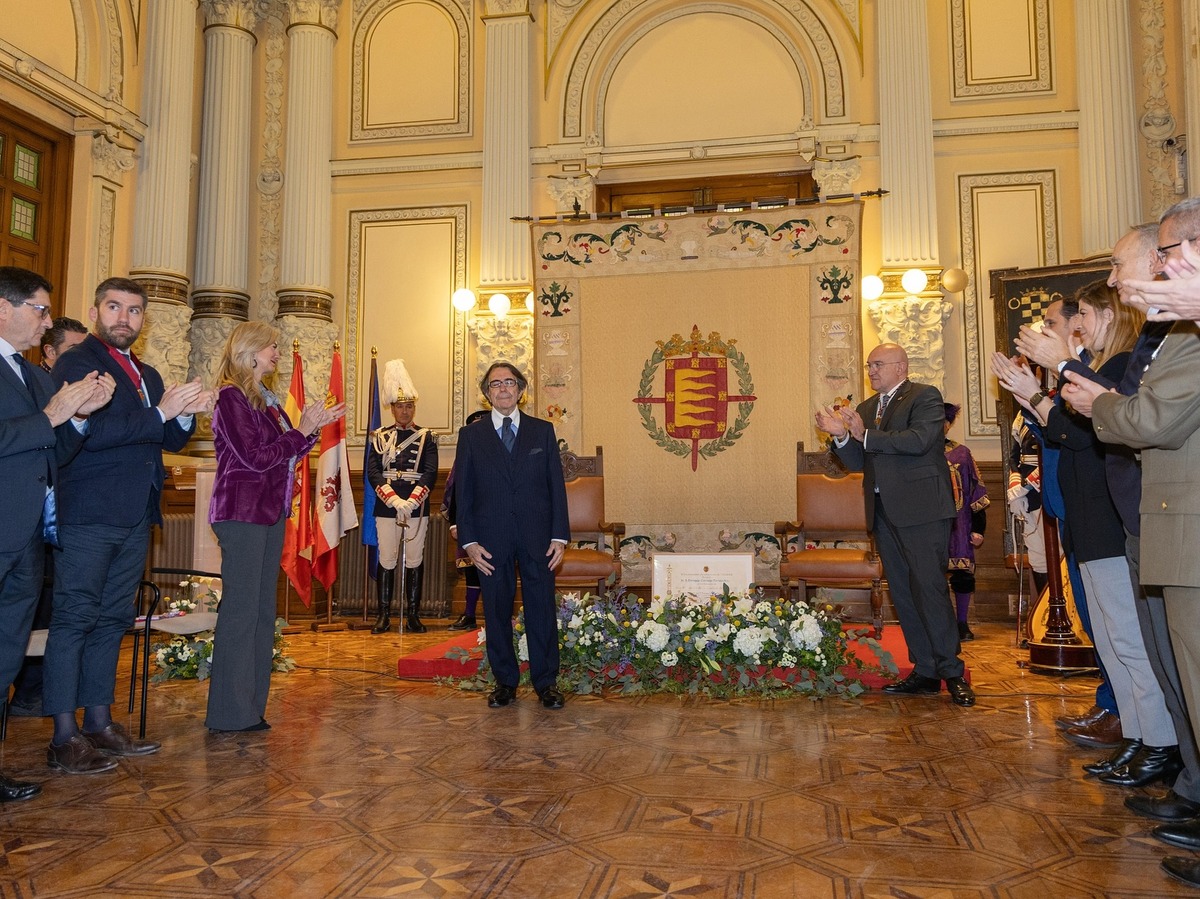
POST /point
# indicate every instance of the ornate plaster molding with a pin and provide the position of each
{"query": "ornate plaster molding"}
(114, 90)
(209, 336)
(566, 192)
(915, 323)
(366, 14)
(110, 160)
(1040, 82)
(981, 421)
(270, 164)
(106, 224)
(164, 340)
(506, 7)
(1157, 124)
(836, 176)
(809, 31)
(510, 339)
(316, 349)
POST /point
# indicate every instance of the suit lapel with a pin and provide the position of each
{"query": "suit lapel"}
(897, 398)
(17, 385)
(107, 363)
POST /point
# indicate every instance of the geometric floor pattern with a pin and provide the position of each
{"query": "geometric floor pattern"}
(368, 786)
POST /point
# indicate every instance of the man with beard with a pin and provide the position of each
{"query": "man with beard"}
(109, 496)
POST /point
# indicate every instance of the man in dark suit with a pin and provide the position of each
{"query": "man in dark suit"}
(910, 504)
(511, 513)
(109, 498)
(36, 436)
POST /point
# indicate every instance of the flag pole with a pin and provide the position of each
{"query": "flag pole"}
(335, 478)
(370, 539)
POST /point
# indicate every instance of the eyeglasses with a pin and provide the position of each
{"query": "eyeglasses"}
(40, 308)
(510, 383)
(875, 366)
(1162, 252)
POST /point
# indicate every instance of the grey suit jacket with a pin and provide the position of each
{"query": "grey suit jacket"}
(1163, 420)
(904, 457)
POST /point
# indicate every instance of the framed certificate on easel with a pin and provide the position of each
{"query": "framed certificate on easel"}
(702, 575)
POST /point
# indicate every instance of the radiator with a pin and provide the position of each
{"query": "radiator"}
(353, 585)
(171, 545)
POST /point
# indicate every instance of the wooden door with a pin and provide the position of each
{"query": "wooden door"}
(35, 178)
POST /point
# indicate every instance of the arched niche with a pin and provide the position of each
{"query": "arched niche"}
(411, 70)
(597, 49)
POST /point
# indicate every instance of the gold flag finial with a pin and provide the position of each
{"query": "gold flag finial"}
(337, 346)
(296, 346)
(374, 351)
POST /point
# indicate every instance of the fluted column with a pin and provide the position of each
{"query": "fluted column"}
(906, 136)
(221, 295)
(305, 291)
(1109, 188)
(505, 250)
(910, 230)
(162, 207)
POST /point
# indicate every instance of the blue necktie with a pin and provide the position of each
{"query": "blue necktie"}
(507, 435)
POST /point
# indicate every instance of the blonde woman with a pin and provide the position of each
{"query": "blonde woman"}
(256, 447)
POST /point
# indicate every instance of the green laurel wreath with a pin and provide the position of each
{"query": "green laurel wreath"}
(681, 447)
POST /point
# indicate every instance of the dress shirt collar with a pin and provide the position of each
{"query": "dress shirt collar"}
(498, 420)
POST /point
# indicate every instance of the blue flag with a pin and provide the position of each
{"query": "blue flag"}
(370, 536)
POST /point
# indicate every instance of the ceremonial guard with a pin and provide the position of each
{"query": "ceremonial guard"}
(402, 467)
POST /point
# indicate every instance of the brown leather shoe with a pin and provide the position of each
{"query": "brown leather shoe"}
(1088, 718)
(1105, 733)
(78, 756)
(115, 740)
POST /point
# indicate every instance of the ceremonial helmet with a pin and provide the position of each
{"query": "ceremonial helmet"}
(397, 385)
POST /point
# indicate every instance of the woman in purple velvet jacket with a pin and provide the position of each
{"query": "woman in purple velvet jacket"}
(257, 448)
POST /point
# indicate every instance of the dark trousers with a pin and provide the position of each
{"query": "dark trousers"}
(1152, 619)
(20, 585)
(245, 635)
(541, 619)
(915, 560)
(96, 573)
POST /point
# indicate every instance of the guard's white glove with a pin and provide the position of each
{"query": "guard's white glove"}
(406, 507)
(395, 502)
(1018, 505)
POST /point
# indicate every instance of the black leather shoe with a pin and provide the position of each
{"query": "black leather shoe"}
(115, 740)
(915, 684)
(960, 691)
(1151, 765)
(464, 623)
(1119, 759)
(1185, 869)
(551, 698)
(501, 696)
(1171, 807)
(17, 790)
(1184, 835)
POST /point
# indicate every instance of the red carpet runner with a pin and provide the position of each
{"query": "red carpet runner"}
(432, 662)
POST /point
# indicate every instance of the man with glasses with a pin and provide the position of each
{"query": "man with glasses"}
(896, 439)
(36, 436)
(511, 512)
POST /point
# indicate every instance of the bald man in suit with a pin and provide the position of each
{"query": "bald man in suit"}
(910, 507)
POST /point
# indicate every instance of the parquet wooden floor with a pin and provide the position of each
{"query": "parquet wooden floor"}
(372, 787)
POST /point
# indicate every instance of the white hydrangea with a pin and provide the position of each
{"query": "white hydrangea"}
(653, 635)
(523, 649)
(806, 633)
(669, 659)
(749, 641)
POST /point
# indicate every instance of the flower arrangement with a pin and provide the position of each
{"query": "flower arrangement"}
(203, 594)
(727, 645)
(190, 657)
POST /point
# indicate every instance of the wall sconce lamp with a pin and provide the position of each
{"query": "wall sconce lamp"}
(463, 299)
(911, 283)
(499, 304)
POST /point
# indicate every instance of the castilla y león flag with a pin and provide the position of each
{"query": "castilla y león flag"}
(335, 512)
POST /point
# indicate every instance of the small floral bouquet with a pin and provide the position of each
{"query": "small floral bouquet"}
(727, 645)
(202, 594)
(189, 657)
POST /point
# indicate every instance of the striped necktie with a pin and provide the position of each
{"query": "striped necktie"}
(884, 398)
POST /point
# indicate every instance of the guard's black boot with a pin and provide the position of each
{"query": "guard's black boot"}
(412, 609)
(386, 582)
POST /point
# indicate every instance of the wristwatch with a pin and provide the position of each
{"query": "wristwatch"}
(1037, 398)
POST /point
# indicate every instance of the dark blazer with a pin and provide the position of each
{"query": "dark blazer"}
(508, 500)
(254, 461)
(905, 458)
(31, 451)
(1092, 526)
(119, 469)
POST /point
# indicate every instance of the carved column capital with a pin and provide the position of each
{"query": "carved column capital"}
(314, 12)
(836, 176)
(110, 159)
(566, 192)
(915, 323)
(506, 7)
(508, 339)
(164, 342)
(232, 13)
